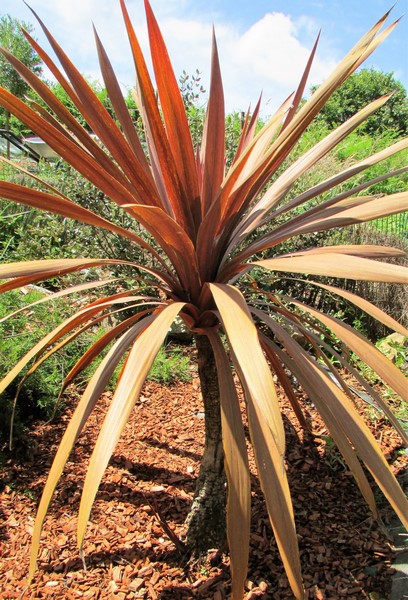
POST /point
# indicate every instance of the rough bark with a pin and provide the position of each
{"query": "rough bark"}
(206, 521)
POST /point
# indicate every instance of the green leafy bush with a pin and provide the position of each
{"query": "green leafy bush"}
(38, 394)
(170, 366)
(363, 87)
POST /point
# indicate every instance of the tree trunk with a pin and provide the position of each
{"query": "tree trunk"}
(206, 521)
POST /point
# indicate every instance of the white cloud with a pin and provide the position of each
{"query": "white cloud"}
(270, 49)
(269, 55)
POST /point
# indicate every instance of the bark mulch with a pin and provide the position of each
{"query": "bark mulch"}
(131, 546)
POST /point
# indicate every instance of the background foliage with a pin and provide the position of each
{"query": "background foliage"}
(12, 38)
(357, 91)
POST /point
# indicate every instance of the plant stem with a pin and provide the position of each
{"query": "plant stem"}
(206, 525)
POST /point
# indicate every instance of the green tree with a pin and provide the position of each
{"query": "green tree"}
(13, 40)
(357, 91)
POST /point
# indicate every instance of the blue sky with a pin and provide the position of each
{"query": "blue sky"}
(263, 44)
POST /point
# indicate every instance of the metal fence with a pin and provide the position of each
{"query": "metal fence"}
(394, 225)
(10, 172)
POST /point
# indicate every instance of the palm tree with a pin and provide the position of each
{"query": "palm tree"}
(215, 239)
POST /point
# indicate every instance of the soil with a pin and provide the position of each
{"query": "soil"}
(132, 548)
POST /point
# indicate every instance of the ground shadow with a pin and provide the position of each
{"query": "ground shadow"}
(171, 449)
(3, 525)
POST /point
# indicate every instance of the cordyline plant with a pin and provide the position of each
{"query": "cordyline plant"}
(207, 228)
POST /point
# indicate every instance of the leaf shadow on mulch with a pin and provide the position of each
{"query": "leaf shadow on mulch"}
(3, 526)
(151, 476)
(177, 451)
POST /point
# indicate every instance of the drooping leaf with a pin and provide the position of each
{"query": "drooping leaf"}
(335, 427)
(364, 304)
(337, 265)
(265, 421)
(64, 292)
(244, 342)
(137, 367)
(284, 381)
(57, 333)
(86, 405)
(343, 420)
(364, 349)
(95, 350)
(361, 438)
(237, 471)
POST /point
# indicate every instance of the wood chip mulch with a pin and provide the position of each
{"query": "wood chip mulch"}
(143, 501)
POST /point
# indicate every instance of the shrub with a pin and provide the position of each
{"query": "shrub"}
(37, 394)
(170, 366)
(360, 89)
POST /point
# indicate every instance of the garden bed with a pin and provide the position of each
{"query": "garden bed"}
(145, 494)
